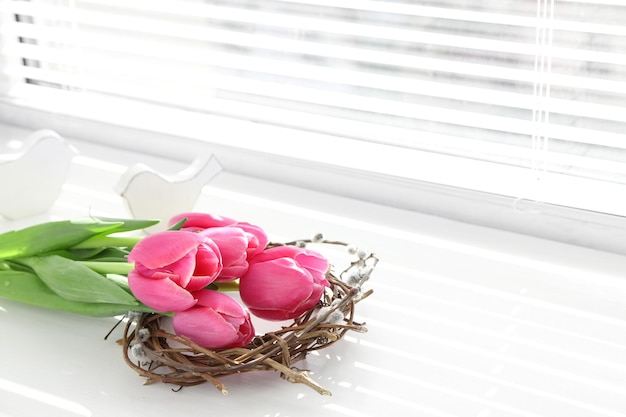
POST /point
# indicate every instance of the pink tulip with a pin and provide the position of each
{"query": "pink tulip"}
(228, 234)
(169, 266)
(216, 321)
(232, 243)
(283, 282)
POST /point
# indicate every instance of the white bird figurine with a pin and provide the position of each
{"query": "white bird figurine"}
(31, 180)
(151, 195)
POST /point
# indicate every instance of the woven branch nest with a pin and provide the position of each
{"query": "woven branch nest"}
(173, 359)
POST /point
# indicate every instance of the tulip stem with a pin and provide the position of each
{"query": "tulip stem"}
(124, 268)
(109, 241)
(226, 286)
(120, 268)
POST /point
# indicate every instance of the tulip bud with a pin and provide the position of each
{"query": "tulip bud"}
(216, 321)
(283, 282)
(237, 241)
(233, 244)
(169, 266)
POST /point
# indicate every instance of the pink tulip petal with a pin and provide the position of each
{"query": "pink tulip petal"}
(208, 260)
(164, 248)
(233, 272)
(231, 241)
(201, 220)
(246, 332)
(257, 238)
(179, 272)
(184, 267)
(279, 284)
(287, 314)
(230, 310)
(312, 260)
(314, 298)
(211, 324)
(160, 294)
(206, 327)
(159, 275)
(320, 278)
(276, 252)
(220, 302)
(197, 283)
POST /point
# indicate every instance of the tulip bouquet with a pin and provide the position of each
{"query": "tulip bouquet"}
(173, 289)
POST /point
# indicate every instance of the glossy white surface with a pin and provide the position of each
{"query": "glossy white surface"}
(464, 321)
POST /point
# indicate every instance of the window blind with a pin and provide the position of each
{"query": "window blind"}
(533, 84)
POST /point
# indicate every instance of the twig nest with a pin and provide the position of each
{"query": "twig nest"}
(161, 356)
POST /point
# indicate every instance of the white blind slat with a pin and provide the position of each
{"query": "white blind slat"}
(328, 51)
(313, 24)
(179, 57)
(540, 85)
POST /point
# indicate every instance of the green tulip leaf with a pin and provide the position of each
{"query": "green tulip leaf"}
(27, 288)
(112, 254)
(178, 225)
(121, 281)
(127, 225)
(48, 237)
(54, 236)
(76, 282)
